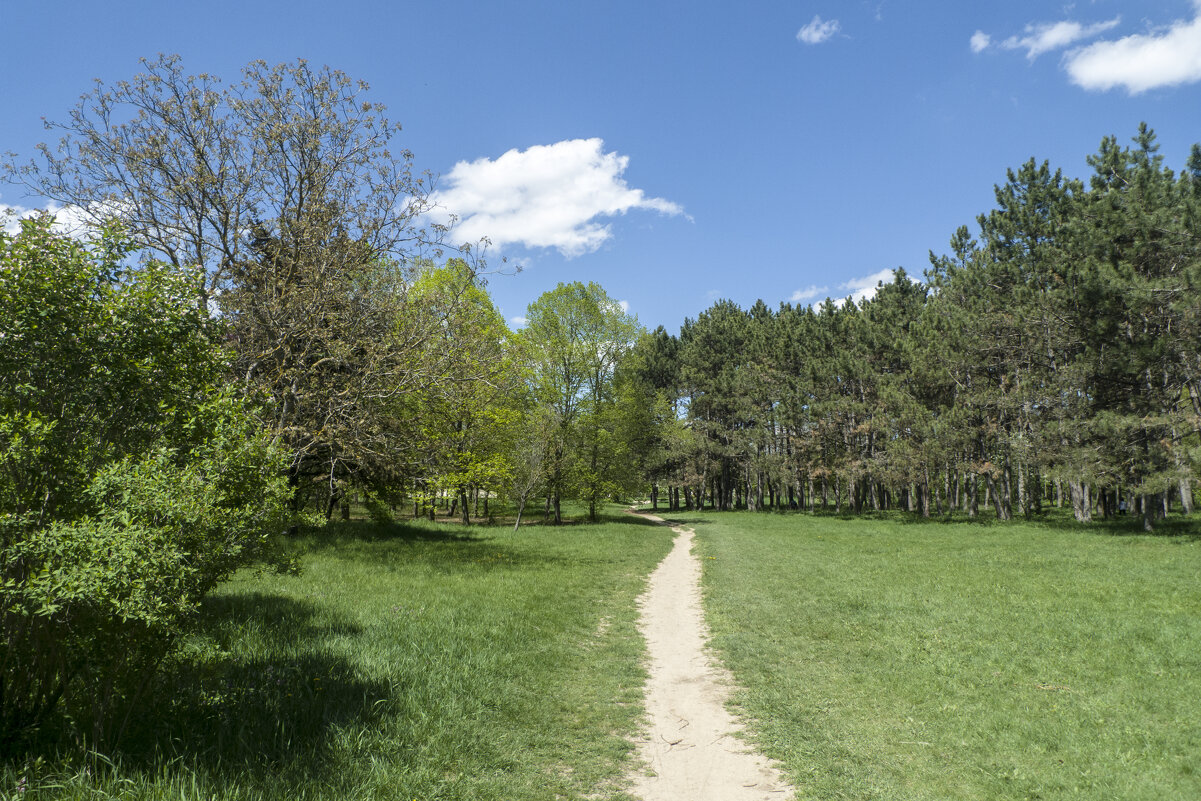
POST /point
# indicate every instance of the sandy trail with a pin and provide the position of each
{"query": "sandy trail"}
(690, 747)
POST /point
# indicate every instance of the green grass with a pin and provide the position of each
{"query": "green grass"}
(891, 660)
(424, 661)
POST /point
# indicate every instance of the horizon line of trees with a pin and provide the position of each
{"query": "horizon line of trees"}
(1054, 359)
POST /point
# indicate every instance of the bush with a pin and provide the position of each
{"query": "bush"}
(131, 481)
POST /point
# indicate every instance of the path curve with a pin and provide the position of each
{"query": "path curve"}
(690, 751)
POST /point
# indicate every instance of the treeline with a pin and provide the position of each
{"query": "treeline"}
(1055, 359)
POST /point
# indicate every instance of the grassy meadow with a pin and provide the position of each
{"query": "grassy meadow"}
(894, 659)
(421, 661)
(880, 658)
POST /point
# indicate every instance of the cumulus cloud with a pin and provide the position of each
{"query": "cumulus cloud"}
(1167, 57)
(69, 220)
(818, 30)
(1048, 36)
(10, 218)
(809, 292)
(625, 306)
(518, 321)
(861, 289)
(549, 196)
(980, 41)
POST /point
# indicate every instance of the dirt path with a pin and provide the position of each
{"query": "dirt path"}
(690, 747)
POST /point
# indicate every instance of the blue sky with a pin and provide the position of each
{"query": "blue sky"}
(679, 152)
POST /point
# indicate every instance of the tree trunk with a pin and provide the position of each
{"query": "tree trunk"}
(1186, 496)
(1081, 508)
(1003, 510)
(463, 504)
(1005, 499)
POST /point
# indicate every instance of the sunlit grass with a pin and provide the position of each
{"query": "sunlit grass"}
(891, 660)
(424, 661)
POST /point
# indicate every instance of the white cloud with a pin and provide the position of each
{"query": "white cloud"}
(549, 196)
(518, 321)
(811, 291)
(69, 220)
(1169, 57)
(818, 30)
(10, 218)
(625, 306)
(861, 289)
(1048, 36)
(980, 41)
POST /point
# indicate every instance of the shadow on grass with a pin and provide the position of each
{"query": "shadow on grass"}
(266, 708)
(639, 517)
(1177, 527)
(336, 532)
(447, 547)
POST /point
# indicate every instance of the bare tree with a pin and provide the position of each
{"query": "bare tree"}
(192, 167)
(529, 456)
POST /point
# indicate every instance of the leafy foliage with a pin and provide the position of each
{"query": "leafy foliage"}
(131, 482)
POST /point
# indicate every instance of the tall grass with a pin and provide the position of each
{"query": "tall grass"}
(421, 661)
(890, 660)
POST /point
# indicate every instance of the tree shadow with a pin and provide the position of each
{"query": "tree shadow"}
(256, 693)
(336, 532)
(638, 517)
(1184, 529)
(395, 546)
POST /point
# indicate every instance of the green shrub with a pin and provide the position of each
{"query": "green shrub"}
(131, 481)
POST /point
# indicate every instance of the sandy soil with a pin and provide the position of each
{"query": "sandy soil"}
(690, 749)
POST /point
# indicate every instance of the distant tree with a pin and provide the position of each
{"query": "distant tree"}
(530, 445)
(466, 410)
(576, 335)
(651, 373)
